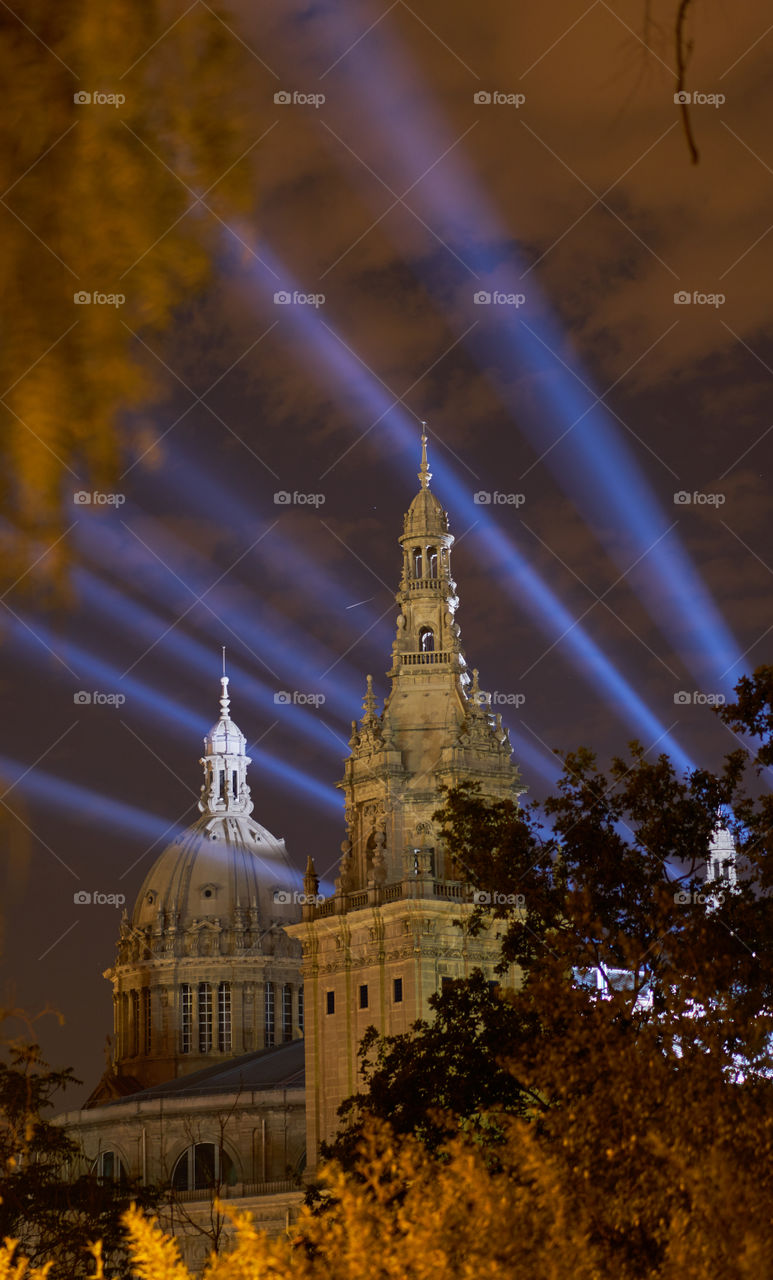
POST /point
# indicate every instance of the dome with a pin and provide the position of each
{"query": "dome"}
(221, 867)
(226, 872)
(425, 516)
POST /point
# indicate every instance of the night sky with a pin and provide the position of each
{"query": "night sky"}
(581, 396)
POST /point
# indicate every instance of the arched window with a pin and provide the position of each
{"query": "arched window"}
(426, 640)
(201, 1166)
(287, 1012)
(186, 1017)
(224, 1017)
(109, 1167)
(205, 1017)
(432, 561)
(269, 1014)
(417, 562)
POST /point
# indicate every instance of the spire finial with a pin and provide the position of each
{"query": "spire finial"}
(425, 475)
(369, 703)
(225, 701)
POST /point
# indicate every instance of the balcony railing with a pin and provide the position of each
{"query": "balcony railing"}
(431, 659)
(238, 1190)
(410, 887)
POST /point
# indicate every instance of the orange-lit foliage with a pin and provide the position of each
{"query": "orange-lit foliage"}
(410, 1218)
(103, 198)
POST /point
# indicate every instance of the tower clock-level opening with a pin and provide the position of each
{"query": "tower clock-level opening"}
(426, 640)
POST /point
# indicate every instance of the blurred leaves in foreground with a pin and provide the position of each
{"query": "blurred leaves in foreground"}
(121, 136)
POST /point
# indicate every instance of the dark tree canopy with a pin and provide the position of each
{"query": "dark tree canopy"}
(48, 1202)
(652, 1095)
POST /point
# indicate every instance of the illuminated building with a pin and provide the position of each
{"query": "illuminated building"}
(204, 1090)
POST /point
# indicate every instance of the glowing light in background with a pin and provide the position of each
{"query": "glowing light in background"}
(334, 360)
(593, 462)
(164, 712)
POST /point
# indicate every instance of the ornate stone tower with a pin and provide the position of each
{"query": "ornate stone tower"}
(396, 927)
(204, 970)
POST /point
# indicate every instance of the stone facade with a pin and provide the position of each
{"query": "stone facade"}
(398, 923)
(259, 1135)
(215, 962)
(204, 969)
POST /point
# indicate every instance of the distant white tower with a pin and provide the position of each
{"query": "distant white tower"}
(204, 970)
(721, 862)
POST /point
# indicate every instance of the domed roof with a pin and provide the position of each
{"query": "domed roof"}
(220, 866)
(425, 516)
(226, 869)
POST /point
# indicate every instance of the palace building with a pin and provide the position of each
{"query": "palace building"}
(237, 1016)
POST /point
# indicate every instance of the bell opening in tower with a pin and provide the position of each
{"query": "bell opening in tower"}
(426, 640)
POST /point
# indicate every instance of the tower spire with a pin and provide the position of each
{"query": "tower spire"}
(225, 763)
(425, 475)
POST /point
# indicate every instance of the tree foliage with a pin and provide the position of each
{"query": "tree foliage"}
(628, 1088)
(48, 1204)
(130, 199)
(621, 1133)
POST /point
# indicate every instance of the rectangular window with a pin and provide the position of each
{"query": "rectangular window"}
(135, 1023)
(331, 1001)
(147, 1029)
(224, 1017)
(269, 1014)
(205, 1017)
(398, 991)
(287, 1012)
(445, 983)
(186, 1017)
(364, 996)
(300, 1008)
